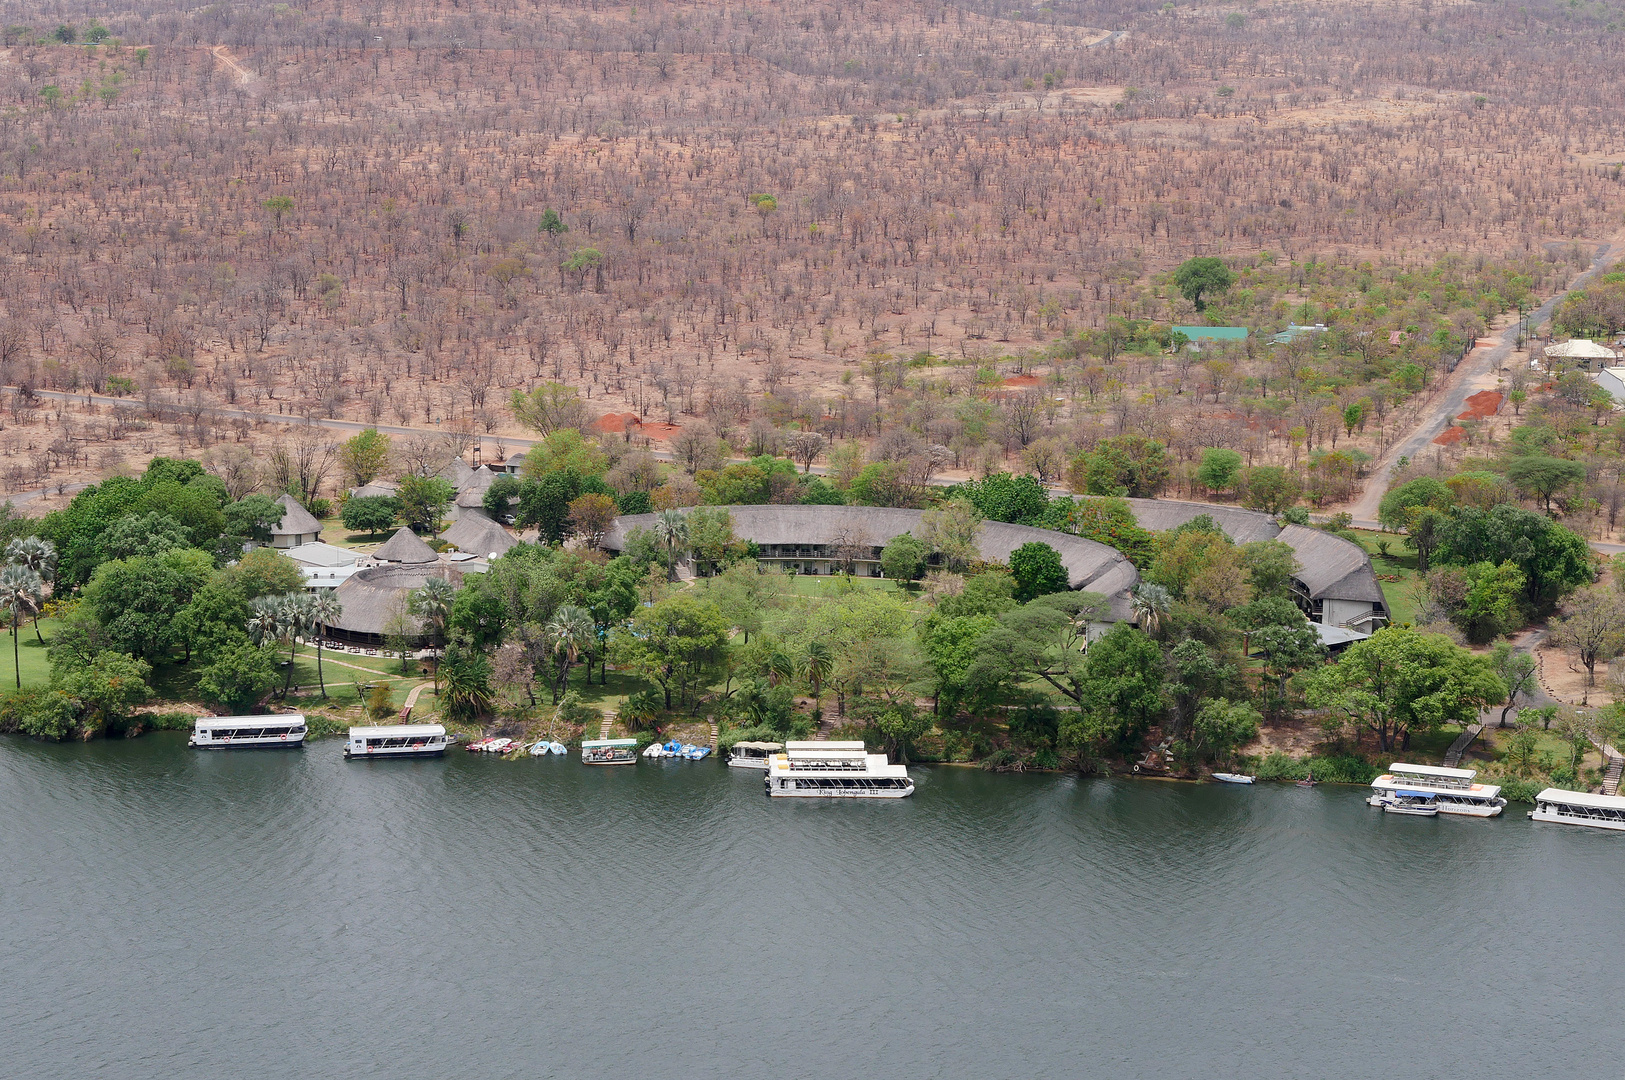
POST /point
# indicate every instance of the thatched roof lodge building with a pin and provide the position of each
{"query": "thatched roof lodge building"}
(820, 539)
(375, 597)
(1335, 584)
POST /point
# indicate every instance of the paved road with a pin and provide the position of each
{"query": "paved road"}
(1473, 374)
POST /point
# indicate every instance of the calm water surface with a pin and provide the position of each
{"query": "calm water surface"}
(215, 915)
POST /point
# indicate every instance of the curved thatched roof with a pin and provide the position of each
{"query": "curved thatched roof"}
(371, 598)
(1242, 526)
(1089, 565)
(479, 535)
(405, 547)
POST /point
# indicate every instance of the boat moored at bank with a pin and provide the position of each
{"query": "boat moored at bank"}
(396, 741)
(1412, 803)
(1453, 790)
(752, 755)
(1580, 808)
(248, 732)
(609, 752)
(835, 770)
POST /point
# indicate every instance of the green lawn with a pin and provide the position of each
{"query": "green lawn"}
(30, 656)
(1399, 563)
(824, 587)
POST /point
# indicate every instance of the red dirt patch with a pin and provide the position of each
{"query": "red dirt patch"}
(615, 423)
(1482, 406)
(1022, 380)
(1450, 436)
(660, 432)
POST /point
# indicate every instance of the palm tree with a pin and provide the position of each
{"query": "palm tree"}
(780, 668)
(20, 591)
(571, 632)
(37, 554)
(323, 610)
(1149, 602)
(264, 621)
(432, 603)
(818, 665)
(295, 618)
(671, 528)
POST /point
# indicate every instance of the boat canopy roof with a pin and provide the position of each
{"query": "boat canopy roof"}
(591, 744)
(1418, 794)
(765, 747)
(395, 731)
(1389, 782)
(1433, 771)
(268, 720)
(1582, 798)
(807, 744)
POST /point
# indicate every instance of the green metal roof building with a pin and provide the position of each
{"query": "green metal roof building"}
(1213, 333)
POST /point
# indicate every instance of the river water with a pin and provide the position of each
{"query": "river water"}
(218, 915)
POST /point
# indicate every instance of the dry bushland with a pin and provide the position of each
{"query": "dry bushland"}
(337, 210)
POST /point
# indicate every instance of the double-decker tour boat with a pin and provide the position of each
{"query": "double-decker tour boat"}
(835, 770)
(396, 741)
(1453, 790)
(247, 732)
(609, 752)
(1580, 808)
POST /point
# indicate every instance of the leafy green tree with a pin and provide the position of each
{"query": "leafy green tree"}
(264, 572)
(238, 676)
(1541, 477)
(1042, 639)
(151, 533)
(252, 517)
(545, 503)
(1399, 506)
(1202, 275)
(106, 689)
(1219, 469)
(1399, 680)
(1271, 489)
(370, 514)
(1490, 607)
(1553, 559)
(279, 206)
(1131, 465)
(903, 559)
(1593, 625)
(1021, 500)
(951, 647)
(552, 224)
(1270, 566)
(951, 531)
(1038, 571)
(1195, 673)
(550, 407)
(901, 724)
(424, 500)
(137, 600)
(983, 594)
(1517, 670)
(1120, 694)
(364, 457)
(432, 604)
(1109, 521)
(1288, 647)
(564, 450)
(675, 643)
(1223, 727)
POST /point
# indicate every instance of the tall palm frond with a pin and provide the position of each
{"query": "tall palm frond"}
(21, 590)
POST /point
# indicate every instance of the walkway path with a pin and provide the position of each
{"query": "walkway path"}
(604, 728)
(1476, 372)
(1452, 756)
(412, 699)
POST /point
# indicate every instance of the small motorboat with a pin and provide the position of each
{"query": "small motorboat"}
(557, 748)
(1409, 803)
(1232, 778)
(695, 753)
(478, 746)
(1308, 781)
(654, 750)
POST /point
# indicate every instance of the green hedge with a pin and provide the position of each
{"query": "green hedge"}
(1341, 769)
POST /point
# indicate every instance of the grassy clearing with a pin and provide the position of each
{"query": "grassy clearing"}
(829, 587)
(1398, 563)
(29, 656)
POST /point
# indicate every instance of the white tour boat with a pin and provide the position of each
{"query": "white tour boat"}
(835, 770)
(396, 741)
(247, 732)
(1453, 790)
(1580, 808)
(609, 752)
(752, 755)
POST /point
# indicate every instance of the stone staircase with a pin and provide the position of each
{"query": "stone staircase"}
(1610, 779)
